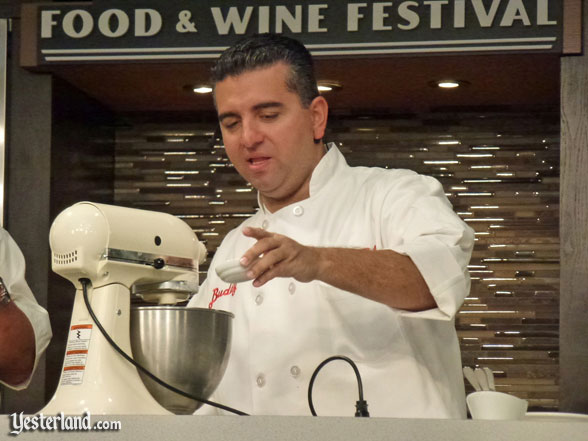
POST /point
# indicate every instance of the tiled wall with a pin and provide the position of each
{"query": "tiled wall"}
(499, 170)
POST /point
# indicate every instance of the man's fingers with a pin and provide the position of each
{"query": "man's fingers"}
(266, 264)
(274, 255)
(260, 249)
(266, 276)
(265, 243)
(256, 233)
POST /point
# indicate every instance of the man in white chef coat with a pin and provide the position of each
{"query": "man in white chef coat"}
(362, 262)
(24, 325)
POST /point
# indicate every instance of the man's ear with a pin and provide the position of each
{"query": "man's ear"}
(319, 109)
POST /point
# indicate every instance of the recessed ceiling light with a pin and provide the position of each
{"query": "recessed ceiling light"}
(328, 86)
(202, 89)
(448, 84)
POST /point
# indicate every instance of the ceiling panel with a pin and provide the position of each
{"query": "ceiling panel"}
(391, 84)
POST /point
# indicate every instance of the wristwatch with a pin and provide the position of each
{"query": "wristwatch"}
(4, 295)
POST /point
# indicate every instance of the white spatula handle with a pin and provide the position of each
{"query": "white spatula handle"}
(468, 372)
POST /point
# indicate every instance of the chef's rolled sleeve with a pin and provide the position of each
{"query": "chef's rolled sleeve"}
(440, 244)
(448, 282)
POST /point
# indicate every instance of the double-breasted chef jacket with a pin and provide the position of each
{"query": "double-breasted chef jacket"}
(409, 362)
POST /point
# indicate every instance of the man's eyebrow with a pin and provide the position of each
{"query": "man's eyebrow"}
(267, 105)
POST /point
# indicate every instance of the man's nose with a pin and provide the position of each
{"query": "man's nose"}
(251, 135)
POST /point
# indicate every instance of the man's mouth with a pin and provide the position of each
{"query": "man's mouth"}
(257, 161)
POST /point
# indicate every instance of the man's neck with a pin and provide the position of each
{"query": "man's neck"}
(303, 192)
(272, 205)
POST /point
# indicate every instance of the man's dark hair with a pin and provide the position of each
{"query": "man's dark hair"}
(264, 50)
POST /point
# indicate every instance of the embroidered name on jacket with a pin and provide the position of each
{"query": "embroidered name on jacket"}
(218, 293)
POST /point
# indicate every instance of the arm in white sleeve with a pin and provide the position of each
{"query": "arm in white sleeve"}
(438, 242)
(12, 271)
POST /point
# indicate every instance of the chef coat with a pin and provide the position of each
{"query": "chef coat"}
(12, 271)
(409, 362)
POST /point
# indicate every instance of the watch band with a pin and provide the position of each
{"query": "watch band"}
(4, 294)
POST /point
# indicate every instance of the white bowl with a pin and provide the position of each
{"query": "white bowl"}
(491, 405)
(232, 271)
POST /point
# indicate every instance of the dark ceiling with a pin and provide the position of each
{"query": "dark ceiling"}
(393, 84)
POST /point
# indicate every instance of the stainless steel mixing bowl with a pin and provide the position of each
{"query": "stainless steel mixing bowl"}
(186, 347)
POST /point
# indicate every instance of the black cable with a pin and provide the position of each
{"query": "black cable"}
(85, 283)
(360, 405)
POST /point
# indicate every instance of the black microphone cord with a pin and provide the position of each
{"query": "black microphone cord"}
(360, 405)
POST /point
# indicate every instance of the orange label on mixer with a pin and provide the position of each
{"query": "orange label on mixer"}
(76, 355)
(78, 351)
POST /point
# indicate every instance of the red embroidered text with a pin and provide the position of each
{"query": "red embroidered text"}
(217, 293)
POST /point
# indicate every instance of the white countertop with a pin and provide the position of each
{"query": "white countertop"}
(260, 428)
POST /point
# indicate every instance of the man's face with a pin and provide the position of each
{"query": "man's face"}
(268, 134)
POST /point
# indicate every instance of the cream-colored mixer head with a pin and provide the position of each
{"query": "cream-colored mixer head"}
(136, 248)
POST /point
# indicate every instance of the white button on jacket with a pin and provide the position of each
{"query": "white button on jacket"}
(298, 210)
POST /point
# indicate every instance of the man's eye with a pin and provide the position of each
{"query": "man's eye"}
(230, 124)
(269, 116)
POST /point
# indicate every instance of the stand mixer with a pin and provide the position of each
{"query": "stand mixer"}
(156, 255)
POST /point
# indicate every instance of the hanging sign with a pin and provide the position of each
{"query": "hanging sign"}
(161, 31)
